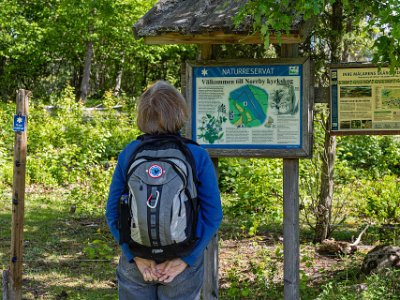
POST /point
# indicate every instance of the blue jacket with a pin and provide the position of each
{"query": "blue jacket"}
(210, 213)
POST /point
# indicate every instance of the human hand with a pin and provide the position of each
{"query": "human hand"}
(169, 269)
(147, 268)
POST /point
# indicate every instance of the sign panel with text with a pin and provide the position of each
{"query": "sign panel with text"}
(365, 100)
(249, 106)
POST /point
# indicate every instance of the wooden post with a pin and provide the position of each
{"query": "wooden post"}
(5, 284)
(211, 259)
(211, 262)
(291, 243)
(18, 202)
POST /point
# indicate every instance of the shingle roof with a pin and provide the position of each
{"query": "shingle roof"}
(195, 17)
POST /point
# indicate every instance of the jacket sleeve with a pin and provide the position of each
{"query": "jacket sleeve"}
(210, 213)
(116, 189)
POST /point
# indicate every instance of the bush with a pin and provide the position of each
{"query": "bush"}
(7, 110)
(378, 200)
(377, 286)
(257, 187)
(69, 145)
(375, 156)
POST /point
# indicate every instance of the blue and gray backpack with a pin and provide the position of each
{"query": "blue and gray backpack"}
(159, 209)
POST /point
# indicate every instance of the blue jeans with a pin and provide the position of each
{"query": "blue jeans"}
(185, 286)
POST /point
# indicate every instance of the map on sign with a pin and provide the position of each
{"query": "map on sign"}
(248, 106)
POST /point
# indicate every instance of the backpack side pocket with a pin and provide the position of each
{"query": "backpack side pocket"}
(135, 232)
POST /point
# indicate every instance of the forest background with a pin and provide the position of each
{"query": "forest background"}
(78, 55)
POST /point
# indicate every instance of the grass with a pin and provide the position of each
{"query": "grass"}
(56, 265)
(73, 256)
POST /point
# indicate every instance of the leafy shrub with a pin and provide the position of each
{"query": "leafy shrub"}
(90, 194)
(7, 110)
(377, 286)
(99, 250)
(66, 144)
(311, 172)
(257, 185)
(69, 145)
(375, 155)
(379, 200)
(255, 277)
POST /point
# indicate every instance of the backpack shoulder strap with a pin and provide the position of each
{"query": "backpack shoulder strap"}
(186, 151)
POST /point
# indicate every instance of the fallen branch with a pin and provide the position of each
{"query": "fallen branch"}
(332, 247)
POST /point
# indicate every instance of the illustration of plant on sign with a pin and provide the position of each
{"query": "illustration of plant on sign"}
(284, 100)
(211, 126)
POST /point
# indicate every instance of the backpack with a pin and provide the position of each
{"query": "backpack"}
(159, 208)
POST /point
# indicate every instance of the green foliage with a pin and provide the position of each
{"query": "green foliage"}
(90, 195)
(378, 286)
(260, 278)
(70, 146)
(376, 156)
(98, 249)
(60, 153)
(43, 46)
(257, 184)
(278, 15)
(388, 234)
(7, 110)
(379, 199)
(361, 187)
(388, 24)
(366, 184)
(375, 18)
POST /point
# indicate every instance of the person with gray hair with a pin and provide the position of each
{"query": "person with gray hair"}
(162, 111)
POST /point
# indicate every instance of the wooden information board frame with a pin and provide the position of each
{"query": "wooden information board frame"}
(255, 69)
(357, 104)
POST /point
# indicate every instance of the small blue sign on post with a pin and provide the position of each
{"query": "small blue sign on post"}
(19, 123)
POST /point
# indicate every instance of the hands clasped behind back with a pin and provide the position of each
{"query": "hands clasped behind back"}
(164, 272)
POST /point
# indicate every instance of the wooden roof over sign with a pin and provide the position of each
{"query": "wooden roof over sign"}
(202, 22)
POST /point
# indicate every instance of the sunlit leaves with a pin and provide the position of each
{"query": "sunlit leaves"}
(278, 17)
(43, 43)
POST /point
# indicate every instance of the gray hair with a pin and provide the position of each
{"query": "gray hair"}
(162, 109)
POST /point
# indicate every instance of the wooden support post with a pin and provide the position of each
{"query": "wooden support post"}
(211, 259)
(5, 284)
(18, 202)
(291, 243)
(211, 262)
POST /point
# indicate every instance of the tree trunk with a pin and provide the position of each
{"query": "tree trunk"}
(4, 92)
(118, 80)
(97, 78)
(324, 209)
(2, 64)
(84, 90)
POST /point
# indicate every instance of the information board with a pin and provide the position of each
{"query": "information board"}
(258, 107)
(365, 99)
